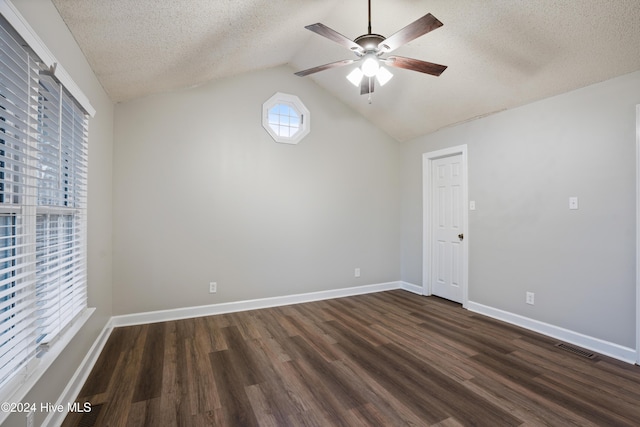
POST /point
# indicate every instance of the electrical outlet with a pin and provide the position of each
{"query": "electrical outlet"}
(573, 203)
(213, 287)
(356, 273)
(530, 298)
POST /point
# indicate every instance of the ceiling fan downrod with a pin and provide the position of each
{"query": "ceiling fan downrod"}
(369, 27)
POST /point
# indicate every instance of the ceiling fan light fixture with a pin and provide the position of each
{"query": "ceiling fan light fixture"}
(370, 47)
(355, 77)
(370, 65)
(383, 76)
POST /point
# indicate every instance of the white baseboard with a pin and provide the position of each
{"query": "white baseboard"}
(72, 390)
(412, 288)
(616, 351)
(232, 307)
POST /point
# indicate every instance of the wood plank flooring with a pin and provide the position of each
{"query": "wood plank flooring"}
(385, 359)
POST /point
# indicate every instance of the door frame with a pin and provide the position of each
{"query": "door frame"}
(637, 234)
(427, 224)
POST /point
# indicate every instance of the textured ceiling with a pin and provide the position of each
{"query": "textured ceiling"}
(500, 53)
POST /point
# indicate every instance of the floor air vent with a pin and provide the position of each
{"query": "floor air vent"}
(89, 418)
(576, 350)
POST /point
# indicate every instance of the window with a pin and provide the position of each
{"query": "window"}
(43, 192)
(285, 118)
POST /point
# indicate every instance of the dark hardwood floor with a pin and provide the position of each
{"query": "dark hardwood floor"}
(385, 359)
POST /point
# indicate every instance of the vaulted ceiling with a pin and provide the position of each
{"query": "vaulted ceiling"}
(500, 53)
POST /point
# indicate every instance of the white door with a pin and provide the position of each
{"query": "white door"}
(447, 228)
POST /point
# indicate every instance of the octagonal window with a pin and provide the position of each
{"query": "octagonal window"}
(285, 118)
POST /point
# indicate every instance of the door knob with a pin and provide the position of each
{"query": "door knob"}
(460, 236)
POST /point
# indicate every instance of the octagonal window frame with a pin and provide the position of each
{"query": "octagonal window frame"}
(283, 113)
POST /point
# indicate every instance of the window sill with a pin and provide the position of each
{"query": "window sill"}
(45, 362)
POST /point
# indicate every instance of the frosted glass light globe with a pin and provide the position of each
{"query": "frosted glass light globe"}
(370, 65)
(355, 77)
(383, 76)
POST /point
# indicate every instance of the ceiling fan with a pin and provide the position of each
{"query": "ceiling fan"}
(369, 49)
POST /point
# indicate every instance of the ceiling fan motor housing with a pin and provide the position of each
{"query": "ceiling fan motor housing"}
(370, 42)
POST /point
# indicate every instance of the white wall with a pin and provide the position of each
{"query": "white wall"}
(44, 19)
(524, 164)
(202, 193)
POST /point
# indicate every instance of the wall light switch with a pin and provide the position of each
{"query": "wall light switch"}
(472, 205)
(573, 203)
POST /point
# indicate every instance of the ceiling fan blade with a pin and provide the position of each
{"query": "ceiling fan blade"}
(325, 67)
(367, 85)
(415, 65)
(335, 36)
(412, 31)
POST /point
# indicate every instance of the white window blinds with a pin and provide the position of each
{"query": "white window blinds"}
(43, 191)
